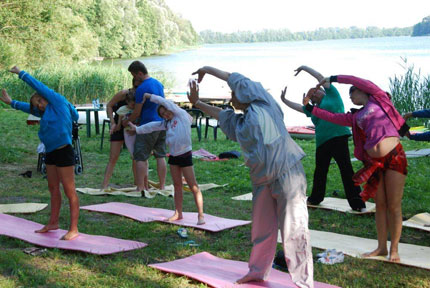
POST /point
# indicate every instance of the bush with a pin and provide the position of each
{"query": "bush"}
(79, 83)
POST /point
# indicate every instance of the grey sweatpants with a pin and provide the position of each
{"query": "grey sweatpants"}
(282, 204)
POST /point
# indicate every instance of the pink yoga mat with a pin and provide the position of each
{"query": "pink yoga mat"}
(22, 229)
(207, 156)
(218, 272)
(145, 214)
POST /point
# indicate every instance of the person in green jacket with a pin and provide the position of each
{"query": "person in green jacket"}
(331, 142)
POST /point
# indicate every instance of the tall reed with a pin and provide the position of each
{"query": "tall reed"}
(79, 83)
(410, 91)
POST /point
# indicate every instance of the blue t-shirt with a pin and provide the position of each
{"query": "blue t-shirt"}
(56, 121)
(149, 109)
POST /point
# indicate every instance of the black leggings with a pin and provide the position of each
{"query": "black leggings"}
(336, 148)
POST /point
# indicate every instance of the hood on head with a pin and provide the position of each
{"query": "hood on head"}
(245, 90)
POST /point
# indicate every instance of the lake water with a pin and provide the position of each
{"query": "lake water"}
(273, 64)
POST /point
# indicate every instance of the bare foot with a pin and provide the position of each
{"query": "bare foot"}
(394, 257)
(201, 220)
(376, 252)
(175, 217)
(70, 235)
(47, 228)
(248, 278)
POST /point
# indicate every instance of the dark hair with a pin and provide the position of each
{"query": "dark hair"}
(31, 103)
(137, 66)
(158, 112)
(130, 96)
(352, 89)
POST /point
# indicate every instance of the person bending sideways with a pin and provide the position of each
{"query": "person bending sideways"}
(277, 175)
(56, 120)
(376, 129)
(177, 124)
(331, 142)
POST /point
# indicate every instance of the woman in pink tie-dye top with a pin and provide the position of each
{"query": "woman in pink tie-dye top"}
(376, 129)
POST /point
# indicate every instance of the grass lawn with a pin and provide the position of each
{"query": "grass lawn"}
(60, 268)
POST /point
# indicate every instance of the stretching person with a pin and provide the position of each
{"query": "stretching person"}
(418, 114)
(117, 136)
(177, 122)
(56, 119)
(331, 142)
(277, 176)
(376, 130)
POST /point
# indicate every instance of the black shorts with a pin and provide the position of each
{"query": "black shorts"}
(117, 136)
(183, 160)
(62, 157)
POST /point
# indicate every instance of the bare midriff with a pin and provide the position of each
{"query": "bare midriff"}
(383, 148)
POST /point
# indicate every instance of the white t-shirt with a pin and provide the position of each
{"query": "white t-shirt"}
(178, 129)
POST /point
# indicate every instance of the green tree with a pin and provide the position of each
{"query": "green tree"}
(65, 31)
(422, 28)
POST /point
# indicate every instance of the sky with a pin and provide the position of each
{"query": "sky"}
(299, 15)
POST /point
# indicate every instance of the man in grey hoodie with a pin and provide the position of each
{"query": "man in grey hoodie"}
(276, 172)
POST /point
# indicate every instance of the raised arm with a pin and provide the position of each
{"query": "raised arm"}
(168, 104)
(50, 95)
(193, 96)
(362, 84)
(223, 75)
(296, 106)
(312, 72)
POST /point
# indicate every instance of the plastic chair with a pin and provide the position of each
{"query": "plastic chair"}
(197, 115)
(214, 126)
(103, 132)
